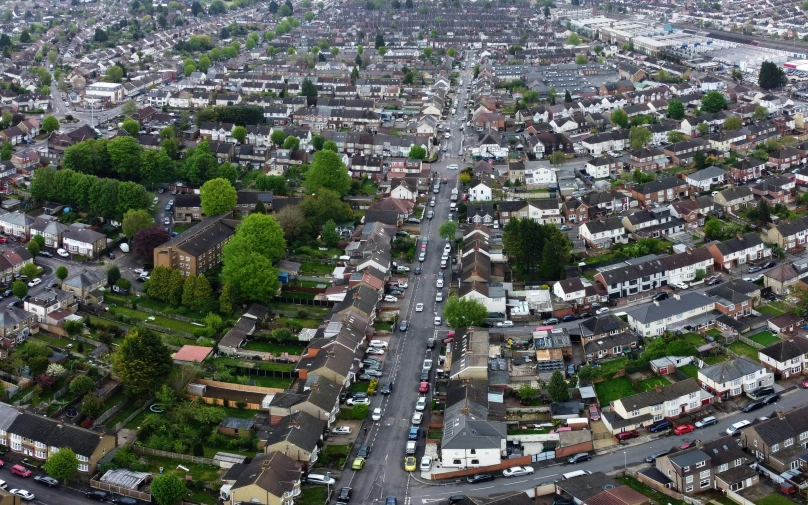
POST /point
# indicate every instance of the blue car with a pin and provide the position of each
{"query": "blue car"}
(660, 426)
(413, 434)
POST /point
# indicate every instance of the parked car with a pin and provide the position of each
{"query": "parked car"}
(47, 481)
(375, 350)
(378, 343)
(736, 428)
(762, 392)
(627, 435)
(681, 285)
(413, 433)
(46, 254)
(569, 317)
(593, 413)
(707, 421)
(417, 418)
(585, 315)
(578, 458)
(420, 405)
(358, 464)
(390, 299)
(660, 426)
(751, 407)
(386, 388)
(653, 456)
(61, 252)
(505, 324)
(22, 493)
(403, 326)
(364, 451)
(34, 282)
(659, 297)
(683, 428)
(771, 399)
(754, 269)
(377, 414)
(341, 430)
(124, 500)
(97, 494)
(409, 464)
(552, 320)
(320, 479)
(601, 311)
(517, 471)
(426, 464)
(358, 401)
(344, 496)
(479, 477)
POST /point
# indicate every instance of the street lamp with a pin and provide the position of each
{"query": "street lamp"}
(625, 462)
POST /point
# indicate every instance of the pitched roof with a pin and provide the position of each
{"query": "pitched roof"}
(300, 429)
(667, 308)
(653, 397)
(778, 429)
(728, 371)
(737, 244)
(52, 433)
(276, 473)
(786, 350)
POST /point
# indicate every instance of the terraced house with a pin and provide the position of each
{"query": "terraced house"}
(779, 442)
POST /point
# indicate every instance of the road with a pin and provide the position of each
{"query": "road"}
(44, 494)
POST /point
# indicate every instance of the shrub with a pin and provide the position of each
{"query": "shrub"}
(199, 450)
(241, 405)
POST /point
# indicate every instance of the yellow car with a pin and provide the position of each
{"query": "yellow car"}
(358, 463)
(409, 464)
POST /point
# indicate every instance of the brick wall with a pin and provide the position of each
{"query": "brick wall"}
(524, 460)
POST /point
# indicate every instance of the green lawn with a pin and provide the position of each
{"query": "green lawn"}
(122, 414)
(200, 473)
(768, 309)
(714, 332)
(691, 371)
(310, 311)
(764, 338)
(774, 499)
(744, 349)
(274, 347)
(272, 382)
(315, 268)
(360, 387)
(179, 228)
(165, 322)
(312, 495)
(138, 420)
(779, 306)
(649, 384)
(334, 456)
(62, 342)
(611, 367)
(268, 366)
(614, 389)
(693, 338)
(239, 413)
(384, 326)
(150, 303)
(712, 360)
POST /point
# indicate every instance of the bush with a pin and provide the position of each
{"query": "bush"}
(199, 450)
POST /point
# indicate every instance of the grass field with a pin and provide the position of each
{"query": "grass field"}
(334, 456)
(693, 338)
(315, 268)
(714, 332)
(768, 309)
(764, 338)
(150, 303)
(774, 499)
(273, 347)
(649, 384)
(611, 367)
(272, 382)
(179, 228)
(690, 370)
(744, 349)
(614, 389)
(312, 495)
(165, 322)
(712, 360)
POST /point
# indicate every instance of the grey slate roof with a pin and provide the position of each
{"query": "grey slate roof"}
(648, 398)
(785, 350)
(51, 433)
(776, 430)
(667, 308)
(736, 244)
(602, 324)
(689, 458)
(730, 370)
(300, 429)
(12, 316)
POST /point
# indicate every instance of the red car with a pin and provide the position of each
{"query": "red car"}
(683, 428)
(626, 435)
(423, 387)
(805, 384)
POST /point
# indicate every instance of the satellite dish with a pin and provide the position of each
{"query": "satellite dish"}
(608, 486)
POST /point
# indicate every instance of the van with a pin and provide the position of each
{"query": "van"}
(21, 471)
(576, 473)
(737, 427)
(707, 421)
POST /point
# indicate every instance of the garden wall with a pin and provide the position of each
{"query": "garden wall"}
(740, 500)
(139, 449)
(123, 491)
(238, 387)
(656, 486)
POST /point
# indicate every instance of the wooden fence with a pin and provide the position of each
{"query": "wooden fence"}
(751, 342)
(134, 414)
(238, 387)
(740, 500)
(123, 491)
(173, 455)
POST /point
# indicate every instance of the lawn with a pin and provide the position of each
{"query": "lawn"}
(268, 366)
(200, 473)
(239, 413)
(138, 420)
(294, 307)
(649, 384)
(714, 332)
(360, 387)
(150, 303)
(744, 349)
(384, 326)
(611, 367)
(614, 389)
(271, 382)
(334, 456)
(764, 338)
(768, 309)
(779, 306)
(165, 322)
(712, 360)
(312, 495)
(179, 228)
(315, 268)
(122, 414)
(774, 499)
(274, 347)
(655, 496)
(691, 371)
(694, 338)
(62, 342)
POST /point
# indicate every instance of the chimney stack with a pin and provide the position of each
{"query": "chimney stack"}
(739, 235)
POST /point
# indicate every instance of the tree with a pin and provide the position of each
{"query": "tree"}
(81, 385)
(260, 233)
(50, 124)
(329, 234)
(328, 171)
(114, 74)
(448, 230)
(417, 153)
(771, 76)
(589, 372)
(62, 273)
(379, 42)
(147, 239)
(703, 128)
(292, 221)
(292, 143)
(558, 157)
(567, 97)
(33, 248)
(226, 299)
(19, 288)
(699, 160)
(168, 489)
(278, 137)
(307, 88)
(675, 136)
(733, 123)
(62, 465)
(239, 133)
(581, 60)
(460, 313)
(713, 102)
(135, 220)
(527, 392)
(25, 36)
(676, 110)
(573, 39)
(331, 146)
(29, 270)
(620, 118)
(129, 108)
(558, 389)
(317, 142)
(73, 328)
(546, 12)
(761, 113)
(142, 362)
(764, 213)
(125, 154)
(639, 136)
(217, 196)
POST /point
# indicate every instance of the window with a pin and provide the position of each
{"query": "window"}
(456, 462)
(705, 474)
(41, 454)
(701, 464)
(16, 446)
(635, 413)
(689, 478)
(688, 489)
(775, 447)
(475, 461)
(84, 468)
(803, 435)
(474, 451)
(704, 483)
(788, 442)
(81, 458)
(723, 468)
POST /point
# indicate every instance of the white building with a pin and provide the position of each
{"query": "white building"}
(657, 317)
(100, 92)
(733, 378)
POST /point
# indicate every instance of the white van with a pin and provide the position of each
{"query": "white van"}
(576, 473)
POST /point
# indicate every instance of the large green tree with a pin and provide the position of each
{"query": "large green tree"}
(713, 102)
(142, 362)
(462, 312)
(50, 124)
(525, 240)
(639, 137)
(328, 171)
(620, 118)
(558, 388)
(135, 220)
(217, 196)
(62, 465)
(167, 489)
(771, 76)
(448, 230)
(329, 233)
(676, 110)
(761, 113)
(124, 154)
(251, 256)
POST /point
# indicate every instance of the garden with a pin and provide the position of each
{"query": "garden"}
(691, 371)
(614, 389)
(764, 338)
(744, 349)
(652, 383)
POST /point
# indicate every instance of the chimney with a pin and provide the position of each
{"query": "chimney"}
(265, 463)
(781, 415)
(739, 235)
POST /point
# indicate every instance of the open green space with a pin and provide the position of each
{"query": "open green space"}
(652, 383)
(315, 268)
(200, 473)
(656, 496)
(179, 228)
(714, 332)
(268, 366)
(764, 338)
(312, 495)
(274, 347)
(62, 342)
(694, 338)
(157, 320)
(768, 309)
(691, 371)
(310, 311)
(150, 303)
(779, 306)
(774, 499)
(301, 322)
(611, 367)
(138, 420)
(614, 389)
(744, 349)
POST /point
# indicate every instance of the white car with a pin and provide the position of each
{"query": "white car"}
(681, 285)
(375, 350)
(420, 405)
(402, 285)
(447, 248)
(417, 417)
(439, 283)
(422, 257)
(453, 166)
(505, 324)
(390, 298)
(22, 493)
(517, 471)
(419, 307)
(141, 271)
(342, 430)
(166, 221)
(439, 296)
(61, 252)
(426, 463)
(35, 282)
(377, 414)
(438, 321)
(378, 343)
(602, 310)
(427, 365)
(358, 401)
(732, 430)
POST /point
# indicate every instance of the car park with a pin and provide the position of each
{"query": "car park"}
(683, 428)
(517, 471)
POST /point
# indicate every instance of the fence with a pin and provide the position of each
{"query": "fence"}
(748, 341)
(656, 486)
(740, 500)
(132, 493)
(173, 455)
(134, 414)
(304, 301)
(238, 387)
(111, 412)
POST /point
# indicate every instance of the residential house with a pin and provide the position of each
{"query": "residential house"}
(628, 279)
(738, 251)
(299, 436)
(577, 290)
(603, 166)
(781, 278)
(653, 223)
(707, 178)
(492, 295)
(51, 306)
(662, 190)
(470, 439)
(645, 408)
(735, 199)
(747, 169)
(689, 471)
(735, 377)
(776, 189)
(87, 286)
(269, 479)
(658, 317)
(50, 229)
(789, 235)
(602, 234)
(16, 223)
(730, 301)
(84, 241)
(785, 158)
(786, 357)
(779, 442)
(480, 190)
(317, 396)
(606, 336)
(16, 324)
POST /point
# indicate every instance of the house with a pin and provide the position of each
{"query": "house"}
(480, 191)
(731, 302)
(317, 396)
(84, 241)
(603, 166)
(469, 438)
(779, 442)
(734, 199)
(689, 471)
(269, 479)
(785, 157)
(627, 279)
(606, 336)
(789, 235)
(646, 408)
(492, 295)
(653, 223)
(707, 178)
(781, 278)
(786, 357)
(480, 213)
(748, 169)
(602, 234)
(730, 464)
(686, 266)
(199, 248)
(86, 286)
(738, 251)
(51, 305)
(50, 229)
(785, 323)
(662, 190)
(297, 435)
(16, 324)
(776, 189)
(576, 290)
(667, 365)
(602, 203)
(735, 377)
(404, 189)
(16, 223)
(660, 316)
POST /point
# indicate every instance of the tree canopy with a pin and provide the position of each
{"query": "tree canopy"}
(250, 258)
(135, 220)
(771, 76)
(62, 465)
(217, 197)
(462, 312)
(713, 102)
(142, 362)
(676, 110)
(620, 118)
(540, 251)
(328, 171)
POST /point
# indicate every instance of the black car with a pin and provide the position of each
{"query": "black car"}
(48, 481)
(770, 399)
(140, 279)
(395, 292)
(46, 254)
(124, 500)
(457, 498)
(97, 494)
(480, 477)
(364, 452)
(569, 317)
(403, 326)
(769, 264)
(562, 500)
(344, 495)
(386, 388)
(754, 406)
(577, 458)
(586, 315)
(425, 376)
(659, 297)
(660, 426)
(53, 284)
(417, 271)
(762, 392)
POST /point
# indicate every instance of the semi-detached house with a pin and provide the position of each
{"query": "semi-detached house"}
(658, 317)
(738, 251)
(790, 235)
(779, 442)
(735, 377)
(602, 234)
(786, 357)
